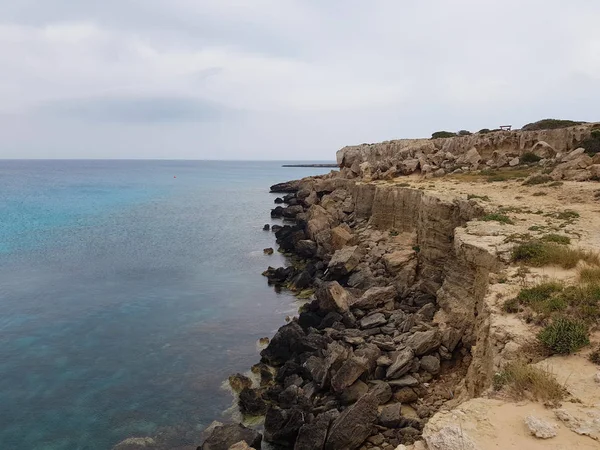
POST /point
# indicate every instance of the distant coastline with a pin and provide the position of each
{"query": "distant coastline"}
(310, 165)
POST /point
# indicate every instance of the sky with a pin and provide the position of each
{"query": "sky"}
(283, 79)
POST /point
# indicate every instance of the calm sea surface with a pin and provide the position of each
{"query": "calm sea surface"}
(129, 290)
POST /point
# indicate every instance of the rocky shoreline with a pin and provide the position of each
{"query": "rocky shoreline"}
(363, 365)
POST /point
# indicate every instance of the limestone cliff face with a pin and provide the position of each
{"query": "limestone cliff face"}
(405, 156)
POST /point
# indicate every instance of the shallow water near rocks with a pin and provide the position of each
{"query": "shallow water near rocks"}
(129, 290)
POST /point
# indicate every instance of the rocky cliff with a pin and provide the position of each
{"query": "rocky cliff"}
(437, 157)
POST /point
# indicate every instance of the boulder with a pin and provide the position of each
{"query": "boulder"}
(430, 364)
(596, 158)
(540, 428)
(282, 425)
(285, 343)
(423, 342)
(372, 321)
(595, 170)
(266, 227)
(312, 436)
(402, 363)
(251, 403)
(306, 248)
(301, 281)
(268, 251)
(396, 260)
(390, 416)
(450, 437)
(344, 261)
(340, 237)
(223, 437)
(408, 166)
(514, 162)
(350, 371)
(376, 296)
(472, 157)
(574, 154)
(354, 392)
(543, 150)
(354, 425)
(406, 395)
(333, 297)
(381, 390)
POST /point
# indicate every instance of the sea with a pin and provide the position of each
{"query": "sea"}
(129, 292)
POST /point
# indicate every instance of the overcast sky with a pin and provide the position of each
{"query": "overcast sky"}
(283, 79)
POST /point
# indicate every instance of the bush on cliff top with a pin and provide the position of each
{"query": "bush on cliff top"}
(564, 335)
(442, 134)
(464, 133)
(550, 124)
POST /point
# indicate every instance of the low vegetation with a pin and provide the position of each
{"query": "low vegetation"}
(550, 124)
(539, 253)
(565, 335)
(484, 131)
(589, 275)
(443, 134)
(556, 238)
(485, 198)
(530, 157)
(520, 379)
(592, 144)
(595, 356)
(537, 179)
(497, 217)
(464, 133)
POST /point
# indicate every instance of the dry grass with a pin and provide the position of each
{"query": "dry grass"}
(589, 275)
(522, 380)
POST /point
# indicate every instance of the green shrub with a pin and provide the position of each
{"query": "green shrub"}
(464, 133)
(484, 131)
(556, 238)
(442, 134)
(550, 124)
(564, 335)
(539, 253)
(537, 179)
(497, 217)
(530, 157)
(485, 198)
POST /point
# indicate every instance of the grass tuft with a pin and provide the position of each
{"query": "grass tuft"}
(485, 198)
(564, 336)
(556, 238)
(523, 380)
(590, 275)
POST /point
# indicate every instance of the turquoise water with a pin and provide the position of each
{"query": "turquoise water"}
(129, 290)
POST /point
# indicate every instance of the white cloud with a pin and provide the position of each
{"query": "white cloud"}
(327, 69)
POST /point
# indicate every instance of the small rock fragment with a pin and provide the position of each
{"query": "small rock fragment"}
(540, 428)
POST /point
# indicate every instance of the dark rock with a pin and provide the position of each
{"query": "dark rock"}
(290, 367)
(282, 425)
(333, 297)
(423, 342)
(350, 371)
(251, 403)
(427, 311)
(312, 436)
(277, 212)
(406, 395)
(450, 338)
(402, 362)
(288, 186)
(289, 396)
(381, 390)
(318, 370)
(279, 275)
(354, 425)
(268, 251)
(225, 436)
(371, 353)
(278, 200)
(310, 319)
(430, 364)
(313, 342)
(352, 393)
(306, 248)
(372, 321)
(292, 211)
(276, 228)
(238, 382)
(390, 415)
(285, 343)
(301, 281)
(267, 227)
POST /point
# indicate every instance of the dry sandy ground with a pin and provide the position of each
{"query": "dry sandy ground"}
(493, 423)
